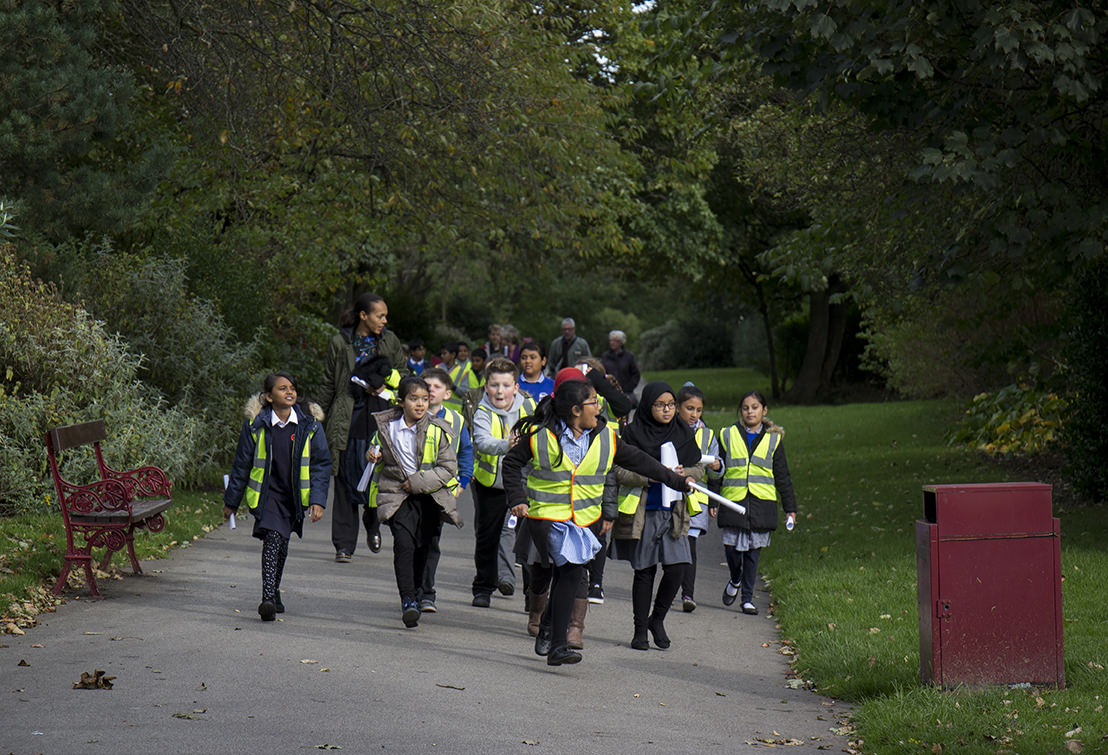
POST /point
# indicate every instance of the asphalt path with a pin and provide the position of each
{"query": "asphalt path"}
(195, 669)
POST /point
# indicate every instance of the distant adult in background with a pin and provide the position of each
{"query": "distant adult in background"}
(417, 352)
(362, 335)
(566, 350)
(620, 363)
(509, 334)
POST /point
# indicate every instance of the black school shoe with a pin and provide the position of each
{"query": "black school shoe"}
(482, 600)
(562, 655)
(278, 604)
(750, 609)
(410, 614)
(267, 609)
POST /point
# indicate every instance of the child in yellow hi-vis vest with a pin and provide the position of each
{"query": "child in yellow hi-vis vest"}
(650, 530)
(282, 469)
(755, 474)
(417, 467)
(690, 408)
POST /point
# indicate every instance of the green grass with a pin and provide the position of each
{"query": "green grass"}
(32, 547)
(845, 587)
(723, 386)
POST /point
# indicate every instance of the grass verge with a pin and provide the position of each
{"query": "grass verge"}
(32, 547)
(844, 584)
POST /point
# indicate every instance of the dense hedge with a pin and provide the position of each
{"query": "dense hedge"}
(61, 366)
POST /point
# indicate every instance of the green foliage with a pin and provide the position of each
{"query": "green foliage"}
(62, 367)
(65, 148)
(1016, 420)
(685, 343)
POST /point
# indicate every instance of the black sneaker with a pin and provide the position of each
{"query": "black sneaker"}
(410, 614)
(688, 605)
(506, 588)
(482, 600)
(278, 604)
(342, 557)
(267, 610)
(427, 606)
(596, 594)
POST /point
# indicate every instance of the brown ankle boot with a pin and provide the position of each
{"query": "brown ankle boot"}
(534, 616)
(575, 637)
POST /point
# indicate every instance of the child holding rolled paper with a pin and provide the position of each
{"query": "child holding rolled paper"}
(756, 475)
(690, 408)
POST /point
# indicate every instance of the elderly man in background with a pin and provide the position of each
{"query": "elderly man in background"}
(620, 362)
(567, 350)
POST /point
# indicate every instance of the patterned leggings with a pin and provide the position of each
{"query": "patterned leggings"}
(275, 549)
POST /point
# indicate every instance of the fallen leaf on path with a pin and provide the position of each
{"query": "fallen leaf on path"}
(36, 645)
(1074, 745)
(22, 662)
(95, 680)
(449, 686)
(11, 628)
(722, 694)
(328, 747)
(531, 742)
(308, 660)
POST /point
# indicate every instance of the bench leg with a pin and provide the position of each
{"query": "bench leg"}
(84, 560)
(131, 550)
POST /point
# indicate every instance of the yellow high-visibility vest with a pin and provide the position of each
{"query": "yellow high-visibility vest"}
(745, 473)
(258, 470)
(486, 466)
(563, 491)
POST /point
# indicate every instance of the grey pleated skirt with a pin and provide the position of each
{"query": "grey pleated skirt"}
(656, 546)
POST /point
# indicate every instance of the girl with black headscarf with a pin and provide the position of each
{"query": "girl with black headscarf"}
(647, 531)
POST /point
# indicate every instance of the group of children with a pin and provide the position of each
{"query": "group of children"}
(554, 467)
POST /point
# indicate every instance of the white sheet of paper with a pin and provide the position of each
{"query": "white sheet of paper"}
(669, 461)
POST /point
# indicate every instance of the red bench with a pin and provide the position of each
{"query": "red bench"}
(104, 513)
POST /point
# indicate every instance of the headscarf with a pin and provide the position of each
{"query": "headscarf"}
(648, 434)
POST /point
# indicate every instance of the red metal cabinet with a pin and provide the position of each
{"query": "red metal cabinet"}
(988, 560)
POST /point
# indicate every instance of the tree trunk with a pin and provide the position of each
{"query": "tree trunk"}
(774, 378)
(806, 388)
(836, 330)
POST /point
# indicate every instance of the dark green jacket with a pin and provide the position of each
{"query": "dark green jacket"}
(334, 395)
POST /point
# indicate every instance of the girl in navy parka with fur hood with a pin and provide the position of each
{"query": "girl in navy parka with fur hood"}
(282, 470)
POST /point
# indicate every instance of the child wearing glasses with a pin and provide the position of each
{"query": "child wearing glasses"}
(650, 529)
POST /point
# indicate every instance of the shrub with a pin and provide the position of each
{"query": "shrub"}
(685, 343)
(1016, 420)
(61, 367)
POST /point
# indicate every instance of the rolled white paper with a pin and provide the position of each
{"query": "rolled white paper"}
(669, 460)
(231, 519)
(363, 482)
(720, 499)
(707, 459)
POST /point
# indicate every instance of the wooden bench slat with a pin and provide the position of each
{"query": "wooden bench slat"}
(142, 510)
(71, 436)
